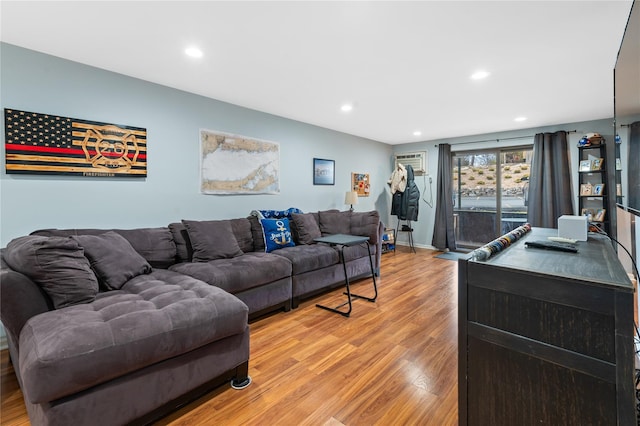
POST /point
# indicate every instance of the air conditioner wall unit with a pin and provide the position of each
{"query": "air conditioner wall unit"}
(417, 160)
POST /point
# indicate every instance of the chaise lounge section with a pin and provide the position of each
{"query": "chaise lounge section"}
(131, 353)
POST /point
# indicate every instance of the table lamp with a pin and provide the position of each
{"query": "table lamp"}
(351, 198)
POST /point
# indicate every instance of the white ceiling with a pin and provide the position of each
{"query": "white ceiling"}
(405, 66)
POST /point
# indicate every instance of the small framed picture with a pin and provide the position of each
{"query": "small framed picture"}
(589, 213)
(597, 164)
(585, 166)
(599, 216)
(586, 189)
(324, 172)
(618, 164)
(598, 189)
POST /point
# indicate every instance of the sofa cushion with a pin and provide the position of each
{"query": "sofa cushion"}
(151, 318)
(212, 239)
(156, 245)
(306, 228)
(239, 273)
(277, 234)
(365, 224)
(334, 222)
(306, 258)
(112, 258)
(57, 265)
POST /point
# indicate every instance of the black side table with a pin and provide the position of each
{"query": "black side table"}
(344, 240)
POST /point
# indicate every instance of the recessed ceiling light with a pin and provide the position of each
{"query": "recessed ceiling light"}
(194, 52)
(346, 107)
(520, 119)
(417, 133)
(479, 75)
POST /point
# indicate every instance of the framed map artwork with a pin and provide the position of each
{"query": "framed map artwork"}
(235, 164)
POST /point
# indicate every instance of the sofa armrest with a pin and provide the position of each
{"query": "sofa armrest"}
(379, 248)
(20, 300)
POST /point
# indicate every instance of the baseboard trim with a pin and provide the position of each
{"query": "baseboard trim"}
(422, 246)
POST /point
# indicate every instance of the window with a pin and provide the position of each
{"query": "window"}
(490, 190)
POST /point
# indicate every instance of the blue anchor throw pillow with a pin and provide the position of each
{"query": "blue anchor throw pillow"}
(277, 234)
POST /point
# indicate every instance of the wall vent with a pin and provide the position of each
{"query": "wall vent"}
(417, 160)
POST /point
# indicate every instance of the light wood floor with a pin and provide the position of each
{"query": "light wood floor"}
(391, 362)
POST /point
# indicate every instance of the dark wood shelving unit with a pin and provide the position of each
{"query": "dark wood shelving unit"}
(596, 204)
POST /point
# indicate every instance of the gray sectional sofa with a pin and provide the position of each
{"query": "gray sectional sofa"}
(123, 326)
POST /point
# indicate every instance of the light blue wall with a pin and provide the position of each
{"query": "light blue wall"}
(41, 83)
(423, 229)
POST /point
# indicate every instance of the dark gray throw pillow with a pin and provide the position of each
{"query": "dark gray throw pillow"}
(212, 239)
(182, 242)
(306, 227)
(57, 265)
(334, 222)
(112, 258)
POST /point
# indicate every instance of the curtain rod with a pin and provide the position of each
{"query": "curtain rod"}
(505, 139)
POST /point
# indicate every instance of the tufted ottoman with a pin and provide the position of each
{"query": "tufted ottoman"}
(147, 325)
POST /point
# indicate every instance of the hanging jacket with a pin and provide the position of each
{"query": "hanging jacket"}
(396, 203)
(398, 183)
(410, 198)
(398, 179)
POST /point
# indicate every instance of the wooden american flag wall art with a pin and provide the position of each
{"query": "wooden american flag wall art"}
(48, 144)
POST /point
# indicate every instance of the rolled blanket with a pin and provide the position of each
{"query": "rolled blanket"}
(499, 244)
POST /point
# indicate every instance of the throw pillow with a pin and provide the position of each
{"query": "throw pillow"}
(57, 265)
(112, 258)
(241, 228)
(334, 222)
(307, 228)
(156, 245)
(212, 239)
(277, 234)
(256, 233)
(182, 242)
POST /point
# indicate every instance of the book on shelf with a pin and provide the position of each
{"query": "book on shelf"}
(586, 189)
(585, 165)
(597, 164)
(598, 189)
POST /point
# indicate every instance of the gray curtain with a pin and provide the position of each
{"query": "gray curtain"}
(634, 176)
(550, 183)
(443, 233)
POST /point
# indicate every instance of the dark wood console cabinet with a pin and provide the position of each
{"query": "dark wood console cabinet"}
(546, 337)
